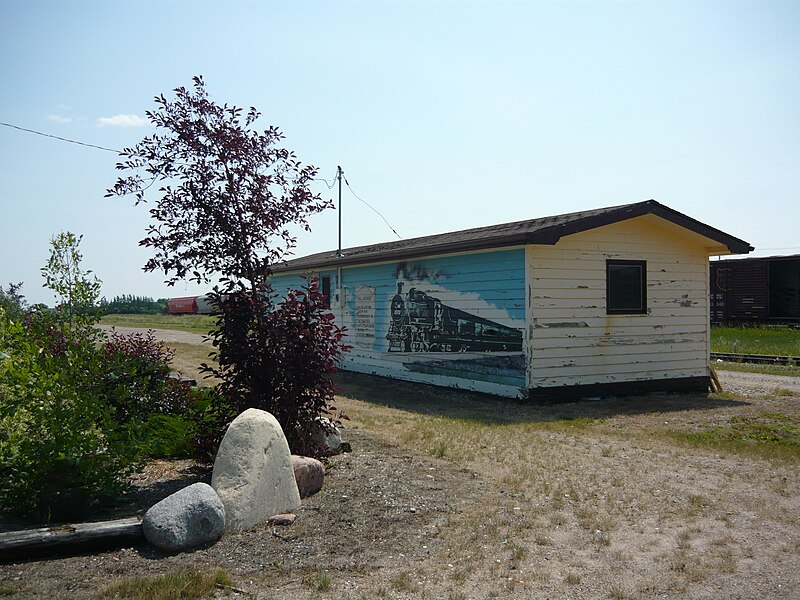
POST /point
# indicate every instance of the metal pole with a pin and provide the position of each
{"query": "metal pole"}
(339, 175)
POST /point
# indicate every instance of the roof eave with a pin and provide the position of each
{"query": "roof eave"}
(546, 236)
(553, 234)
(390, 255)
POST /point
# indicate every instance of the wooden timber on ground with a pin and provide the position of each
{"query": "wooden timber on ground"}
(80, 537)
(716, 386)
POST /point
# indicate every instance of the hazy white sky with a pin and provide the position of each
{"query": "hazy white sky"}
(443, 115)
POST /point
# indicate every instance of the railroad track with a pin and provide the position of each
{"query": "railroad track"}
(765, 359)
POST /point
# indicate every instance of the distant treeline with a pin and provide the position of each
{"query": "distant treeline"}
(128, 304)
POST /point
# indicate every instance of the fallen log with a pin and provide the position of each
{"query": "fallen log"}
(80, 537)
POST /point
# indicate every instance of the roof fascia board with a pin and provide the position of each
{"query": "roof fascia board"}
(551, 235)
(547, 236)
(386, 258)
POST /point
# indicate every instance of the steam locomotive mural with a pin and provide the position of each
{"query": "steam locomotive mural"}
(422, 323)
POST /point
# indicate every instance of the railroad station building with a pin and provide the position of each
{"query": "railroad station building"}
(601, 302)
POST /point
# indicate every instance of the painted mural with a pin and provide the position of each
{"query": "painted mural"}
(364, 326)
(455, 321)
(422, 323)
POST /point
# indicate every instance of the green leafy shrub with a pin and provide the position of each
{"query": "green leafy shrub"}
(61, 451)
(165, 436)
(137, 377)
(77, 410)
(210, 414)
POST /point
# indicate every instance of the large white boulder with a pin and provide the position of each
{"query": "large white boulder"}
(253, 472)
(189, 517)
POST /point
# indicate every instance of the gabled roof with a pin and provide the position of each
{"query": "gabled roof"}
(546, 230)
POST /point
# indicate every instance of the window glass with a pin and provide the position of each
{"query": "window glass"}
(626, 285)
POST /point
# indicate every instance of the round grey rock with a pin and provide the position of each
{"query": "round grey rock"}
(190, 517)
(326, 436)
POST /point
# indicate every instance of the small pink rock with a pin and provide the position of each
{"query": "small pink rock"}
(284, 519)
(308, 473)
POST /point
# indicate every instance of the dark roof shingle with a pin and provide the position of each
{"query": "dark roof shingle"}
(545, 230)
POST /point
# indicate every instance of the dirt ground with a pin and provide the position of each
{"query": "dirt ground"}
(608, 511)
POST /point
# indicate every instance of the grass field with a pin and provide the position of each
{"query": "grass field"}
(193, 323)
(783, 341)
(583, 488)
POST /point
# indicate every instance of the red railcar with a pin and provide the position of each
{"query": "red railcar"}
(182, 306)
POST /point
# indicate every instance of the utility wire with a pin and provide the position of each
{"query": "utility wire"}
(349, 187)
(329, 184)
(63, 139)
(55, 137)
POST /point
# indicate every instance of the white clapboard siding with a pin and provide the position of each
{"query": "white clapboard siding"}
(572, 341)
(640, 332)
(609, 378)
(620, 352)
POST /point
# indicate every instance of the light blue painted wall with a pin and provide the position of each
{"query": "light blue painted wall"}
(464, 318)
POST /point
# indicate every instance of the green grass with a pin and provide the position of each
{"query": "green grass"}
(785, 370)
(782, 341)
(193, 323)
(768, 434)
(319, 581)
(177, 585)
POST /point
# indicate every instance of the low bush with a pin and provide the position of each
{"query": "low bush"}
(210, 413)
(165, 436)
(61, 450)
(137, 377)
(78, 412)
(278, 357)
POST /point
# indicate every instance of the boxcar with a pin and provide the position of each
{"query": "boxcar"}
(755, 290)
(182, 306)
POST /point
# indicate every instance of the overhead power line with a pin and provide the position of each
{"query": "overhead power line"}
(332, 181)
(349, 187)
(330, 184)
(63, 139)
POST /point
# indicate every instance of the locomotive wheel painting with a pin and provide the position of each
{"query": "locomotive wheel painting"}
(422, 323)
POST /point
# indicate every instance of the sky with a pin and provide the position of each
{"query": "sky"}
(443, 115)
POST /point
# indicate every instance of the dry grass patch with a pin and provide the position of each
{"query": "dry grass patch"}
(319, 581)
(767, 434)
(618, 481)
(403, 582)
(187, 361)
(183, 584)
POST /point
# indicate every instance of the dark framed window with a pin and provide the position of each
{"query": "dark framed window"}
(626, 287)
(326, 291)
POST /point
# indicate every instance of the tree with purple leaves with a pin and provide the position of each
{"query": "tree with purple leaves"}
(227, 198)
